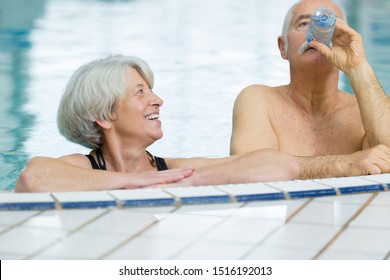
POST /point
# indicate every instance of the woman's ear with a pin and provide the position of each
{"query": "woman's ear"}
(282, 47)
(104, 124)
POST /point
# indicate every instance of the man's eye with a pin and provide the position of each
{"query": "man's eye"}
(303, 25)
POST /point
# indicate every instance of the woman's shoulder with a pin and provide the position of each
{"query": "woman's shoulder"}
(77, 159)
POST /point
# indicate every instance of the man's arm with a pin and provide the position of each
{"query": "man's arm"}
(375, 160)
(252, 129)
(347, 54)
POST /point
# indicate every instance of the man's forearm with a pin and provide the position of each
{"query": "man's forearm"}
(374, 104)
(375, 160)
(319, 167)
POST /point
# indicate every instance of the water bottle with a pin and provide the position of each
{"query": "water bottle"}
(321, 25)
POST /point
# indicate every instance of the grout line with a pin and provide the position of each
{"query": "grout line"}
(132, 237)
(67, 234)
(345, 226)
(298, 210)
(118, 202)
(387, 256)
(255, 246)
(233, 198)
(58, 205)
(10, 227)
(177, 199)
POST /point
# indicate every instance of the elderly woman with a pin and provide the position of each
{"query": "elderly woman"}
(109, 106)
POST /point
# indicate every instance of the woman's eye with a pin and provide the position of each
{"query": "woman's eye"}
(140, 92)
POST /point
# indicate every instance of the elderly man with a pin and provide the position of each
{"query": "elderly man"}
(333, 133)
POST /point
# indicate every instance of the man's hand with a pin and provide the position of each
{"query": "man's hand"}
(347, 51)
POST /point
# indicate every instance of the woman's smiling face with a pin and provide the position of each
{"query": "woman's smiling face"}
(138, 112)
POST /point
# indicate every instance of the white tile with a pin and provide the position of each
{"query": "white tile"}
(382, 199)
(25, 197)
(15, 217)
(183, 226)
(85, 199)
(81, 245)
(155, 210)
(25, 240)
(242, 231)
(302, 188)
(259, 190)
(219, 210)
(3, 228)
(373, 217)
(333, 214)
(26, 201)
(270, 253)
(194, 191)
(68, 220)
(380, 178)
(301, 236)
(149, 248)
(206, 250)
(344, 181)
(362, 241)
(139, 194)
(359, 198)
(138, 197)
(6, 256)
(206, 194)
(279, 210)
(122, 221)
(328, 255)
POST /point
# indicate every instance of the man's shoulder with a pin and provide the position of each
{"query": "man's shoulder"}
(258, 91)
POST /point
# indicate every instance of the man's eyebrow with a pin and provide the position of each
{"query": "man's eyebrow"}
(304, 16)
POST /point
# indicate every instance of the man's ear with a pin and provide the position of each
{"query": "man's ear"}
(104, 124)
(282, 47)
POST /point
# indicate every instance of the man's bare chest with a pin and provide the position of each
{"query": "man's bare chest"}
(300, 135)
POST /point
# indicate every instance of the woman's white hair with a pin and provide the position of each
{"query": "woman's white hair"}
(91, 94)
(287, 22)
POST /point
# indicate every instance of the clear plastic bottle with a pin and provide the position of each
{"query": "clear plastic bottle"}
(321, 25)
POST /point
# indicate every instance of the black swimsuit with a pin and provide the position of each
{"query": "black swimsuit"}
(160, 162)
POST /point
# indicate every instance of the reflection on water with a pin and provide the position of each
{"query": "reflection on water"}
(202, 52)
(16, 21)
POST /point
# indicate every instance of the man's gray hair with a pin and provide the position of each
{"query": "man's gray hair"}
(287, 22)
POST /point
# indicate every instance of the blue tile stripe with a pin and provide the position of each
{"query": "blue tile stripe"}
(361, 189)
(312, 193)
(88, 204)
(27, 206)
(205, 199)
(148, 202)
(259, 197)
(15, 204)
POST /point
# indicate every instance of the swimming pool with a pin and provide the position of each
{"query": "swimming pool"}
(202, 52)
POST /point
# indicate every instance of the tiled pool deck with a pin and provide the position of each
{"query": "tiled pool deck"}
(338, 218)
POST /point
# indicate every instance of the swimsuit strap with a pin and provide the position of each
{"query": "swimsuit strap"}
(161, 164)
(100, 163)
(157, 162)
(93, 162)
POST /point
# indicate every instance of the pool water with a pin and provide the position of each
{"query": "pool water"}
(202, 53)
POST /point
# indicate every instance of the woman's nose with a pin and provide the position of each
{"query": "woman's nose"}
(156, 100)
